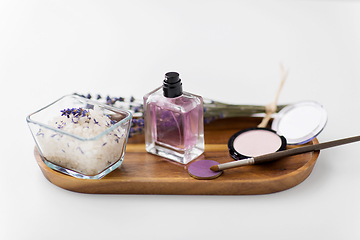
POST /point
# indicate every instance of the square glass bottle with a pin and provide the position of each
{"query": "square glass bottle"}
(174, 122)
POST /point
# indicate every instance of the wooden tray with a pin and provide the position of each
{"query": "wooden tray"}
(144, 173)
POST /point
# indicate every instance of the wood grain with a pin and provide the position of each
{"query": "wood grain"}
(144, 173)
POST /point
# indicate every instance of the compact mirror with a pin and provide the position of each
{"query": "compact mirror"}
(301, 122)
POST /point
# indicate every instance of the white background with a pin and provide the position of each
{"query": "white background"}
(225, 50)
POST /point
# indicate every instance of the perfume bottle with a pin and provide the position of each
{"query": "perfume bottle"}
(174, 122)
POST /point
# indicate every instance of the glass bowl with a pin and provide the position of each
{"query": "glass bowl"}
(80, 137)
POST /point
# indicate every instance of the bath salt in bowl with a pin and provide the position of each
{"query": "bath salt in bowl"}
(80, 137)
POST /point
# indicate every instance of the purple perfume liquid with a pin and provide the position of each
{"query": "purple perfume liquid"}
(174, 127)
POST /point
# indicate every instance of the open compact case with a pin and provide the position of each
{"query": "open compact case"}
(295, 124)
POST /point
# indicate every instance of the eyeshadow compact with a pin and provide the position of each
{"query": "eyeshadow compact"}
(252, 142)
(295, 124)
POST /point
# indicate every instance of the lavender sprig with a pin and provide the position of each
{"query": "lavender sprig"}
(213, 110)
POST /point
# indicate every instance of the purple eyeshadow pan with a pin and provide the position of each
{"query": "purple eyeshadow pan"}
(254, 142)
(201, 170)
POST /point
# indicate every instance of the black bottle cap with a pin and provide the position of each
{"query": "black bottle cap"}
(172, 85)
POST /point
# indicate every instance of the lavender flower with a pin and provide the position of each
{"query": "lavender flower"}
(213, 110)
(74, 112)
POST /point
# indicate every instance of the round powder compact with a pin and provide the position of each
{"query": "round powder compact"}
(201, 170)
(252, 142)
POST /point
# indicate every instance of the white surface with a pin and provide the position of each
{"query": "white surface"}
(225, 50)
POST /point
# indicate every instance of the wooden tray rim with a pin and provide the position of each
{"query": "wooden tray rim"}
(303, 172)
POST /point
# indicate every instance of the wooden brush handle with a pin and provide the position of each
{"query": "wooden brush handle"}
(310, 148)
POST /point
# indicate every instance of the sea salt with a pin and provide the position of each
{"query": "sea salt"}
(90, 155)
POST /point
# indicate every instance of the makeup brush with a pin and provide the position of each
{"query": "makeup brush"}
(285, 153)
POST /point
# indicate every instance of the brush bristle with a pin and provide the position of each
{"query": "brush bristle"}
(214, 168)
